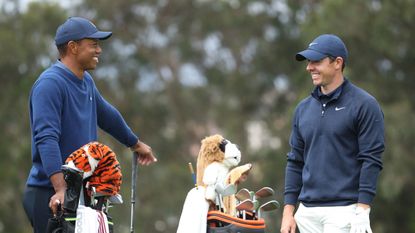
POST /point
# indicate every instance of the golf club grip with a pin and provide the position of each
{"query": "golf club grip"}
(134, 175)
(134, 167)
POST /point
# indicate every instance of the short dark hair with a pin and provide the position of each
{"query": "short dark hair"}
(62, 48)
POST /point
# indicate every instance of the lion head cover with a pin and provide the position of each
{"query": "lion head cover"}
(216, 150)
(216, 157)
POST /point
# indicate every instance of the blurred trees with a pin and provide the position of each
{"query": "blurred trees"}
(181, 70)
(25, 48)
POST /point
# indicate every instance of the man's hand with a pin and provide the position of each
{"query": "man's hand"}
(145, 154)
(58, 198)
(56, 201)
(361, 222)
(288, 224)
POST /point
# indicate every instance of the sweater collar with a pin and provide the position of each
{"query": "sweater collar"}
(334, 95)
(70, 75)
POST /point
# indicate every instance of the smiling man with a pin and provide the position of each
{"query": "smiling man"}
(337, 140)
(66, 110)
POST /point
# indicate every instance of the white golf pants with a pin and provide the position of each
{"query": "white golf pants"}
(331, 219)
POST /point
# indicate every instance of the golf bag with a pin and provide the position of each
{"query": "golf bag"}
(218, 222)
(65, 220)
(65, 223)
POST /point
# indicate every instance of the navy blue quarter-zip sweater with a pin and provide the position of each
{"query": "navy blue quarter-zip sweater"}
(65, 113)
(336, 146)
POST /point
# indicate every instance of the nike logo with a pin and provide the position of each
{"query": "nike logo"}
(313, 43)
(338, 109)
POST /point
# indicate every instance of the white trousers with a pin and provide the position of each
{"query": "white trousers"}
(331, 219)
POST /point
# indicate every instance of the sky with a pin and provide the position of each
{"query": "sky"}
(23, 3)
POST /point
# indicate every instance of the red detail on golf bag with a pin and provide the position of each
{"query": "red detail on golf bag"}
(219, 222)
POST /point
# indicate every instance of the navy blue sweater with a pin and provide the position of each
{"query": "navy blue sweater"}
(65, 113)
(336, 146)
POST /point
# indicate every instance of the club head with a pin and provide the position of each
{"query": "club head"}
(269, 206)
(243, 195)
(115, 199)
(247, 205)
(264, 192)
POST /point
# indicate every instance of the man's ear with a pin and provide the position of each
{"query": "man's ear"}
(339, 62)
(73, 47)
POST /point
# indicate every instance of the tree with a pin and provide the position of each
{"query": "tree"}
(26, 41)
(181, 70)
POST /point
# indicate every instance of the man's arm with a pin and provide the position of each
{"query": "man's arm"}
(46, 107)
(59, 185)
(288, 224)
(112, 122)
(295, 163)
(371, 146)
(293, 178)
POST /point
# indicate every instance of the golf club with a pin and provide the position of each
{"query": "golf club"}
(193, 173)
(133, 186)
(264, 192)
(246, 205)
(269, 206)
(254, 200)
(243, 194)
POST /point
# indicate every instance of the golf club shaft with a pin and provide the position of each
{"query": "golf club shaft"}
(133, 186)
(193, 173)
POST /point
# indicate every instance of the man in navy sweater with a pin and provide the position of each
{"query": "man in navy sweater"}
(66, 110)
(336, 144)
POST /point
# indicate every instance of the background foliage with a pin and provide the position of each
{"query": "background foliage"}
(181, 70)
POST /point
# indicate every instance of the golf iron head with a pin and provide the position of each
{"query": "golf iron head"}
(268, 206)
(247, 205)
(243, 195)
(264, 192)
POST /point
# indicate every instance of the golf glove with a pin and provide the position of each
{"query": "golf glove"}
(360, 222)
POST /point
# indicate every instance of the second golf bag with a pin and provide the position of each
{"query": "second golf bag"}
(93, 178)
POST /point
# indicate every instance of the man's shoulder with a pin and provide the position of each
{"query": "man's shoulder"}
(306, 104)
(51, 73)
(306, 101)
(361, 99)
(360, 94)
(49, 79)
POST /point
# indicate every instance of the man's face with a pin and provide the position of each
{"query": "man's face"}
(88, 53)
(322, 72)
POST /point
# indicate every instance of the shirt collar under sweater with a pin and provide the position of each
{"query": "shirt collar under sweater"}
(334, 95)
